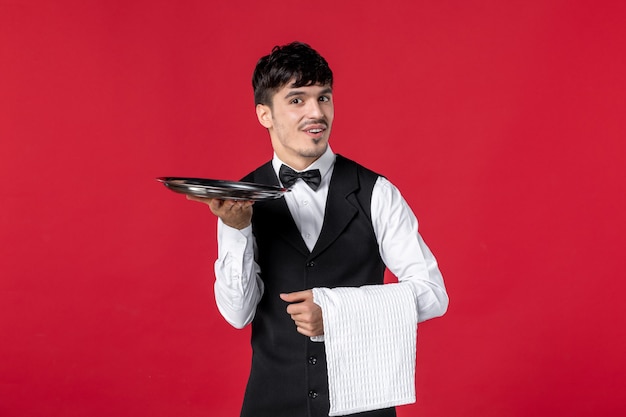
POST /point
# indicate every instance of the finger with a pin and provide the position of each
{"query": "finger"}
(218, 205)
(235, 205)
(304, 332)
(304, 311)
(199, 199)
(295, 309)
(296, 297)
(309, 329)
(304, 327)
(242, 205)
(229, 204)
(304, 321)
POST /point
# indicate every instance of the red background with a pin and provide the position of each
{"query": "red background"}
(501, 121)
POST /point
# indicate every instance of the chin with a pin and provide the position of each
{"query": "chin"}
(315, 152)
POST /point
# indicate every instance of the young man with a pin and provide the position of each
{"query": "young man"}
(336, 231)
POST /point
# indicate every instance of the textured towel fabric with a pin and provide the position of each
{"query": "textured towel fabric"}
(370, 339)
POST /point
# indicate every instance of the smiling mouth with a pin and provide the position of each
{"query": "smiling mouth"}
(315, 128)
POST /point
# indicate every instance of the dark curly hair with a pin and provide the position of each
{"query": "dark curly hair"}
(296, 61)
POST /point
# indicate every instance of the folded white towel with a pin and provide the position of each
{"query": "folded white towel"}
(370, 340)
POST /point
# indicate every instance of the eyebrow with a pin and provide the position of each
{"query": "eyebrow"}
(327, 90)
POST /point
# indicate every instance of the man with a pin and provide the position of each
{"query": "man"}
(339, 227)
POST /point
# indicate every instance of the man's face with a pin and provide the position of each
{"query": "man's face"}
(299, 123)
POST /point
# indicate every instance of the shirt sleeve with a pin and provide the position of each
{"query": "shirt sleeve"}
(404, 252)
(238, 286)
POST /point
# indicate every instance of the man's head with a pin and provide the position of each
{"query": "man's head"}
(294, 101)
(297, 63)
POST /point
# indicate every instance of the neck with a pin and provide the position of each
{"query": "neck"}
(299, 162)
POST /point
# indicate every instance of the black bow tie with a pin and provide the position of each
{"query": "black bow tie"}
(289, 177)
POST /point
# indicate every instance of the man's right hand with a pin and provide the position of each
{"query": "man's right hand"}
(234, 213)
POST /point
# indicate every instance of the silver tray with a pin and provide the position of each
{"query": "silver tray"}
(226, 190)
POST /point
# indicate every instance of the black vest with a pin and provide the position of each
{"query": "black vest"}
(288, 376)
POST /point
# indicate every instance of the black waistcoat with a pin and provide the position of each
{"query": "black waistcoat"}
(288, 376)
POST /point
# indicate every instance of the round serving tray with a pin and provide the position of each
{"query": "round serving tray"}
(226, 190)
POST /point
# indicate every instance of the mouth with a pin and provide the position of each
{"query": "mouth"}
(315, 130)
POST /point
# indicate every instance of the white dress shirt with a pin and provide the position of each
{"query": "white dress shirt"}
(238, 287)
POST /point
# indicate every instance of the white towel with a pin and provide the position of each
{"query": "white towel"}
(370, 338)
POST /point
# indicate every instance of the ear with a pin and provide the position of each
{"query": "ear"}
(264, 114)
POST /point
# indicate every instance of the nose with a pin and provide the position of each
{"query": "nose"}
(314, 110)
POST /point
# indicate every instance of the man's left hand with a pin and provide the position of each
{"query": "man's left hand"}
(304, 312)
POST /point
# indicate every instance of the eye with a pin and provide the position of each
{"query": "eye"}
(296, 101)
(324, 99)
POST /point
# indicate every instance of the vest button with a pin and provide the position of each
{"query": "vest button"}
(310, 264)
(313, 394)
(312, 360)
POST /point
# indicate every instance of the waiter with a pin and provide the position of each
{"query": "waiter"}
(339, 228)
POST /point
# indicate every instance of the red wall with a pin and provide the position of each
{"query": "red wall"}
(501, 121)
